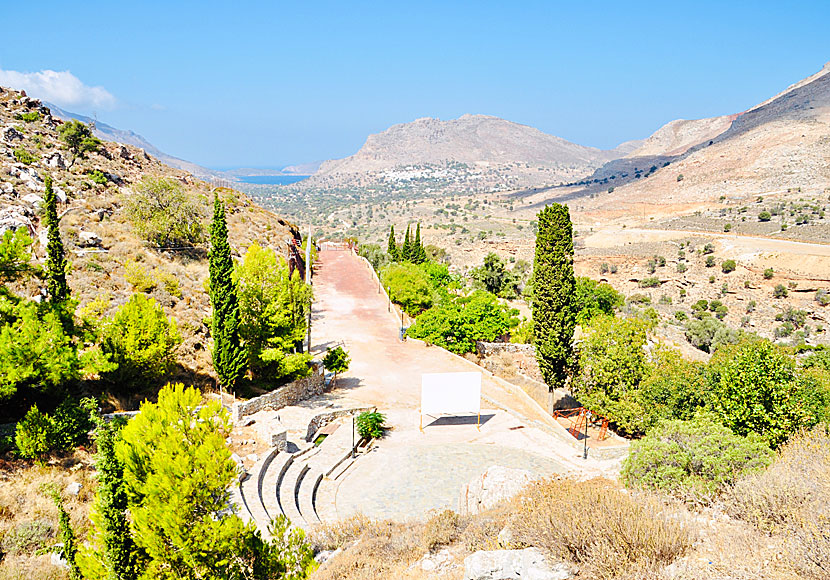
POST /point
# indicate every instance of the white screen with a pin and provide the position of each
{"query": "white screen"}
(448, 393)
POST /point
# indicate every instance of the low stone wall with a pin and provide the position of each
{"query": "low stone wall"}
(491, 348)
(284, 396)
(322, 419)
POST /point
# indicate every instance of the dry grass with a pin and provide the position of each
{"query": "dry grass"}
(792, 499)
(29, 519)
(440, 530)
(600, 528)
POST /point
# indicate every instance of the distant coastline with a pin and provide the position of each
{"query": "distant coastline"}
(271, 179)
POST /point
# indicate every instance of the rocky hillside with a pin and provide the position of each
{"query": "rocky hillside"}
(109, 260)
(478, 151)
(781, 144)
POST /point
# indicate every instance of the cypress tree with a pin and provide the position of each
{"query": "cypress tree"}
(419, 254)
(67, 535)
(229, 357)
(406, 251)
(392, 246)
(554, 287)
(115, 548)
(56, 284)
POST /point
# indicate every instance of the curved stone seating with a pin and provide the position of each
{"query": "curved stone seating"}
(287, 492)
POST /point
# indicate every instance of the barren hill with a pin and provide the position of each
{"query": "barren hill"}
(479, 150)
(110, 261)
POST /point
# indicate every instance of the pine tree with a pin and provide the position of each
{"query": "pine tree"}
(113, 549)
(554, 287)
(406, 250)
(392, 246)
(229, 357)
(56, 284)
(67, 535)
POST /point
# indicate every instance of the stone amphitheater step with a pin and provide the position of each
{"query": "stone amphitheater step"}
(306, 494)
(239, 502)
(251, 492)
(271, 483)
(288, 488)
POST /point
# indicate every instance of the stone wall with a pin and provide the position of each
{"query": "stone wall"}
(491, 348)
(284, 396)
(322, 419)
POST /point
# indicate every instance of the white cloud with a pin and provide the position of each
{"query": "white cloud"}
(61, 88)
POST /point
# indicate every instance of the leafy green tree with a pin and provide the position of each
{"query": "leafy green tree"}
(78, 138)
(164, 214)
(337, 361)
(67, 536)
(112, 554)
(15, 255)
(392, 246)
(408, 286)
(673, 388)
(177, 471)
(554, 293)
(596, 298)
(612, 363)
(56, 265)
(73, 420)
(695, 459)
(274, 307)
(755, 387)
(375, 255)
(141, 340)
(456, 323)
(494, 277)
(229, 356)
(709, 334)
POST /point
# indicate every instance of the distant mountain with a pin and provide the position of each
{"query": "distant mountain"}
(109, 133)
(781, 144)
(478, 151)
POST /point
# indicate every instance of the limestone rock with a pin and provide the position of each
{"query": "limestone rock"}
(74, 488)
(55, 160)
(527, 564)
(10, 134)
(89, 239)
(496, 484)
(33, 199)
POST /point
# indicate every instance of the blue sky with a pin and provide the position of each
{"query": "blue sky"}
(271, 83)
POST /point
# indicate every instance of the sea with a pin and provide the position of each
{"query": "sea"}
(272, 179)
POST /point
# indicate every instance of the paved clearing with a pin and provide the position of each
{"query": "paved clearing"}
(410, 471)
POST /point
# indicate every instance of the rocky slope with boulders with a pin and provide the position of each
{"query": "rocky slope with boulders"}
(105, 252)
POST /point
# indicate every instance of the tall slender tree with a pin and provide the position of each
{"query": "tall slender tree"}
(113, 554)
(392, 246)
(229, 356)
(406, 250)
(56, 284)
(554, 291)
(417, 251)
(67, 536)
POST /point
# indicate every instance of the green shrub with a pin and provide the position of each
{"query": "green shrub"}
(370, 424)
(73, 420)
(681, 267)
(780, 291)
(768, 274)
(169, 282)
(595, 299)
(78, 138)
(728, 266)
(727, 227)
(456, 323)
(376, 256)
(97, 176)
(164, 214)
(764, 216)
(680, 315)
(649, 282)
(708, 334)
(822, 297)
(408, 286)
(27, 538)
(710, 261)
(138, 277)
(23, 156)
(141, 340)
(30, 117)
(34, 434)
(639, 299)
(709, 248)
(756, 387)
(695, 460)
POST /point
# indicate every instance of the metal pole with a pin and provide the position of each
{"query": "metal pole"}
(389, 296)
(585, 452)
(308, 281)
(353, 436)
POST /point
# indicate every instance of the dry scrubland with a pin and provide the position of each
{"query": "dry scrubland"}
(771, 526)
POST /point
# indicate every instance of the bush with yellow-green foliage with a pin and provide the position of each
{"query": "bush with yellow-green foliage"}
(164, 214)
(141, 340)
